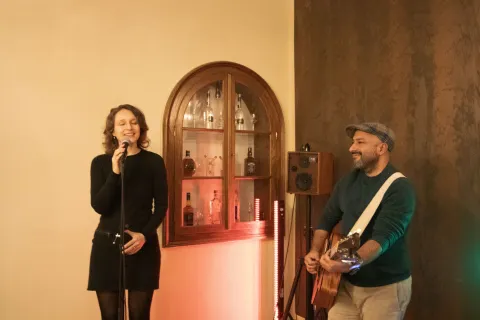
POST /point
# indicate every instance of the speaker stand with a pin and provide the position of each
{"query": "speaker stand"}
(286, 314)
(308, 278)
(309, 312)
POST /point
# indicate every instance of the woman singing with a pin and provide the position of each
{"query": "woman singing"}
(145, 204)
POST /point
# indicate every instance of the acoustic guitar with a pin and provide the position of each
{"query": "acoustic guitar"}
(325, 288)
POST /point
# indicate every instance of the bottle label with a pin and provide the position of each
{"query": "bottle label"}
(188, 219)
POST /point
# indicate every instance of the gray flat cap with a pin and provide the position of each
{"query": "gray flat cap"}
(384, 133)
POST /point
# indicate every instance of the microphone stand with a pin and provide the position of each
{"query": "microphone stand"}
(121, 268)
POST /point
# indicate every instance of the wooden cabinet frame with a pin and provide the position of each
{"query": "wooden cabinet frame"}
(230, 73)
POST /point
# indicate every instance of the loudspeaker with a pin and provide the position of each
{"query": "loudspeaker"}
(310, 173)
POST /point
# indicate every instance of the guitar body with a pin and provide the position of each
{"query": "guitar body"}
(325, 287)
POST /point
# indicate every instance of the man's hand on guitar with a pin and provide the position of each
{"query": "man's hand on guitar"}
(312, 261)
(332, 265)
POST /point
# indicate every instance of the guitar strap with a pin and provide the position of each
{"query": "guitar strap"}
(369, 211)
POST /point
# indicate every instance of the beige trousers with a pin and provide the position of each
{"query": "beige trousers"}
(376, 303)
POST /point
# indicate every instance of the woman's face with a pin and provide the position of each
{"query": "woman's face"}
(126, 127)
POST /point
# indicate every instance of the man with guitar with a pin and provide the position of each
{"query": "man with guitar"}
(377, 284)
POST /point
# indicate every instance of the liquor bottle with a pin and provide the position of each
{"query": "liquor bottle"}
(219, 105)
(250, 164)
(188, 116)
(215, 208)
(236, 206)
(239, 119)
(188, 165)
(197, 109)
(188, 213)
(254, 121)
(209, 118)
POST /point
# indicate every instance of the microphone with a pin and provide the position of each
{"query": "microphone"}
(125, 144)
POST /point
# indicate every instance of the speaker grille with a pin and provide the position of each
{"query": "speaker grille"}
(304, 181)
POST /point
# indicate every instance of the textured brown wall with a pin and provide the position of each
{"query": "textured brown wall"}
(414, 65)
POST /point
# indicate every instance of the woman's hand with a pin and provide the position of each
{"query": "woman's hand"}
(116, 158)
(134, 245)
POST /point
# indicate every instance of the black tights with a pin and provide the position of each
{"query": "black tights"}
(139, 303)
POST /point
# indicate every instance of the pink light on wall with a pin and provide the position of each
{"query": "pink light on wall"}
(275, 258)
(257, 209)
(278, 264)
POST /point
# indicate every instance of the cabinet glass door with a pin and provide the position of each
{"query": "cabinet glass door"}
(252, 156)
(203, 158)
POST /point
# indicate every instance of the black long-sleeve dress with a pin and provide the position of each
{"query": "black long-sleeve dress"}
(145, 185)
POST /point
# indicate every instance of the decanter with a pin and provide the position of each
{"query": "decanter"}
(239, 118)
(219, 105)
(215, 208)
(197, 107)
(188, 121)
(189, 166)
(254, 120)
(236, 207)
(208, 117)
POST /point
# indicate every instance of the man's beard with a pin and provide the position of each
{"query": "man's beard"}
(365, 162)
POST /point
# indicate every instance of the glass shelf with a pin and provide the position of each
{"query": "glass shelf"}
(202, 178)
(251, 132)
(202, 130)
(252, 177)
(206, 135)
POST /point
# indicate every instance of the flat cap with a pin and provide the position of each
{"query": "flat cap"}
(384, 133)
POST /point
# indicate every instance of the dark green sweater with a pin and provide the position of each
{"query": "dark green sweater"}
(388, 226)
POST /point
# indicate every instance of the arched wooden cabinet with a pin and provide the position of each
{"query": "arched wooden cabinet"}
(214, 116)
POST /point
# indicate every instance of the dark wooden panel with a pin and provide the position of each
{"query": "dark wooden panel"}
(414, 65)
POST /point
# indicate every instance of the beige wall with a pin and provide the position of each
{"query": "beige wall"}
(63, 64)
